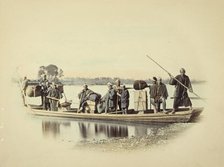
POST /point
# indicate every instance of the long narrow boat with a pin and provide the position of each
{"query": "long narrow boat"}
(184, 115)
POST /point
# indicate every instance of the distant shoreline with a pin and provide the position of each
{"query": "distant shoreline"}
(105, 80)
(102, 81)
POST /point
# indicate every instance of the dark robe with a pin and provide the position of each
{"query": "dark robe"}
(43, 85)
(107, 102)
(54, 92)
(83, 96)
(125, 99)
(118, 91)
(112, 99)
(102, 105)
(162, 91)
(180, 95)
(153, 91)
(46, 100)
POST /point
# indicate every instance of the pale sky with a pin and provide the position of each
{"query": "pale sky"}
(110, 37)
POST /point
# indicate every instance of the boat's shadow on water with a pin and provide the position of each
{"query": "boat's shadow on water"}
(109, 135)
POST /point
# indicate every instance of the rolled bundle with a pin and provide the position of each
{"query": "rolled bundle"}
(35, 90)
(139, 85)
(95, 97)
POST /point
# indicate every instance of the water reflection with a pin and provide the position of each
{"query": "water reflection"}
(140, 131)
(97, 130)
(52, 128)
(111, 130)
(82, 130)
(110, 136)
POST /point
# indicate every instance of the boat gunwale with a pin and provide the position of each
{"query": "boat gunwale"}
(178, 117)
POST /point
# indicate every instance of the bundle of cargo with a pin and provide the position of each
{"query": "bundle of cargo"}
(33, 88)
(140, 95)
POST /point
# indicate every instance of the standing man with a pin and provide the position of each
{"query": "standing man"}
(47, 89)
(124, 96)
(43, 84)
(54, 96)
(153, 94)
(180, 95)
(162, 94)
(111, 98)
(117, 88)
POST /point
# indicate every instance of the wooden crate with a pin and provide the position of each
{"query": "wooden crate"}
(140, 100)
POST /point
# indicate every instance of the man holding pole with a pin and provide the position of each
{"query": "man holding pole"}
(182, 83)
(180, 95)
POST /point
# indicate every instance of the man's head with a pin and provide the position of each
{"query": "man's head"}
(159, 80)
(25, 78)
(85, 86)
(182, 71)
(118, 82)
(109, 85)
(123, 87)
(154, 80)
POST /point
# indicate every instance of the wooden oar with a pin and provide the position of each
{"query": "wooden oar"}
(175, 78)
(65, 97)
(52, 98)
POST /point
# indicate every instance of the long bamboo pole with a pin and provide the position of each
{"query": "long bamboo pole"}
(175, 78)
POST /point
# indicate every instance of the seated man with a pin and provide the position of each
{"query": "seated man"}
(108, 102)
(83, 96)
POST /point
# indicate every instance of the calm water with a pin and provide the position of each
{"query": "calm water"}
(39, 137)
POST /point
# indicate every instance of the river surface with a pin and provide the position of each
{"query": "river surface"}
(24, 136)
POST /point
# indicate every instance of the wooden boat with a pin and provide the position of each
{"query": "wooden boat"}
(182, 116)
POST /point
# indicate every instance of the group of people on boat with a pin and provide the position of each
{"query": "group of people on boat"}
(50, 94)
(117, 95)
(158, 92)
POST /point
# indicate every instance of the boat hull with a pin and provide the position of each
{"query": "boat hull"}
(178, 117)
